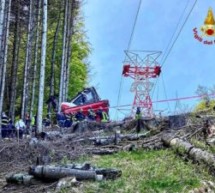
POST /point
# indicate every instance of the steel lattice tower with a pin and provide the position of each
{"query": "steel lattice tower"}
(142, 66)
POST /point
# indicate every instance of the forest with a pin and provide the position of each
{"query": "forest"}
(44, 51)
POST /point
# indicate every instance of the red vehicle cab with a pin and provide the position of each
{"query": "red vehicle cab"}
(85, 100)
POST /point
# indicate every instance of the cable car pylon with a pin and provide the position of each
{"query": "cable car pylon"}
(142, 66)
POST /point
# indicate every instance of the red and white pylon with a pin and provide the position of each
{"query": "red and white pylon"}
(142, 66)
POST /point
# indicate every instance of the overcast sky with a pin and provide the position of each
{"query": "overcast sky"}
(189, 64)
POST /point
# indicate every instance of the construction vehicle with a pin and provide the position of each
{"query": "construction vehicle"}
(85, 100)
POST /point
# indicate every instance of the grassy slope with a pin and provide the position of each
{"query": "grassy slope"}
(146, 172)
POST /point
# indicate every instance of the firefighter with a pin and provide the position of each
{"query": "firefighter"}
(68, 121)
(138, 117)
(206, 129)
(61, 119)
(91, 115)
(105, 117)
(33, 123)
(47, 121)
(102, 115)
(11, 129)
(27, 123)
(80, 116)
(20, 128)
(4, 125)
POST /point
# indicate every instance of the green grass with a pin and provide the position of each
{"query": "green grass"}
(147, 172)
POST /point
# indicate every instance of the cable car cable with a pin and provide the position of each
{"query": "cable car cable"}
(177, 26)
(179, 33)
(129, 45)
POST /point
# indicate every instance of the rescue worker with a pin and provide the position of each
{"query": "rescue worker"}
(99, 114)
(33, 123)
(73, 118)
(91, 115)
(138, 117)
(47, 121)
(102, 115)
(61, 119)
(52, 102)
(105, 117)
(68, 121)
(206, 129)
(4, 125)
(20, 128)
(11, 129)
(80, 115)
(27, 123)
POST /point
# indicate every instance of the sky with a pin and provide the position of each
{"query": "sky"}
(190, 63)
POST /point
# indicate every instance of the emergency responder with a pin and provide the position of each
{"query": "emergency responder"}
(80, 115)
(102, 115)
(47, 121)
(20, 128)
(61, 119)
(138, 117)
(27, 123)
(206, 129)
(4, 125)
(68, 121)
(91, 115)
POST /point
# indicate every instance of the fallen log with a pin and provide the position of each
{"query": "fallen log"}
(102, 151)
(21, 178)
(186, 148)
(108, 173)
(133, 137)
(53, 173)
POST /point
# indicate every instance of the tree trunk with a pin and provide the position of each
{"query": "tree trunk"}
(69, 48)
(35, 60)
(52, 84)
(185, 148)
(55, 173)
(5, 59)
(62, 74)
(42, 68)
(2, 11)
(68, 14)
(25, 94)
(3, 39)
(16, 45)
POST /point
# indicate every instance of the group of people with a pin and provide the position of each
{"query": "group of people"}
(28, 125)
(66, 120)
(10, 130)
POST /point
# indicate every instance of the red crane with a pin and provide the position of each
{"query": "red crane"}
(143, 68)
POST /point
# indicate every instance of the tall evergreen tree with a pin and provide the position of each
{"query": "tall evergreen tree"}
(42, 67)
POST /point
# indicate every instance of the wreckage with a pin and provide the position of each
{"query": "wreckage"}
(85, 100)
(101, 139)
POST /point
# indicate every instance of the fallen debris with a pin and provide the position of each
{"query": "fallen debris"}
(51, 173)
(21, 178)
(185, 148)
